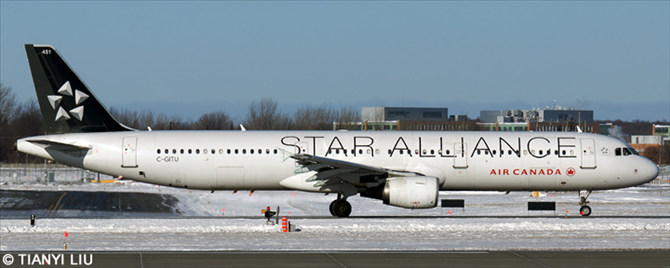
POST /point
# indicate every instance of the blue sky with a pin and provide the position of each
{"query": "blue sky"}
(188, 58)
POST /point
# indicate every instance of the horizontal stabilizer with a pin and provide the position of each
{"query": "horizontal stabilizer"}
(60, 146)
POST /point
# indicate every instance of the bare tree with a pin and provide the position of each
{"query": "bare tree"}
(348, 117)
(314, 118)
(26, 121)
(263, 115)
(323, 117)
(7, 104)
(214, 120)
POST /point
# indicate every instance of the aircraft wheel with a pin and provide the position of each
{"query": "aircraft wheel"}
(585, 210)
(330, 208)
(340, 208)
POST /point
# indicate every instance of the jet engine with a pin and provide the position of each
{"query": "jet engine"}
(407, 192)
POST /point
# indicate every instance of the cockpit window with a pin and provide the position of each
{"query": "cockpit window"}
(633, 151)
(626, 151)
(617, 151)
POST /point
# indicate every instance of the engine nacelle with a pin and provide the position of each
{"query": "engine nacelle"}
(407, 192)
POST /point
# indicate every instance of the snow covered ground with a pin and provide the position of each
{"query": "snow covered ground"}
(631, 218)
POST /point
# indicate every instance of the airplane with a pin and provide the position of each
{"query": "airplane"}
(405, 169)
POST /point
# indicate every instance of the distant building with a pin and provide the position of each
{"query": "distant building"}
(413, 118)
(509, 126)
(537, 126)
(661, 130)
(605, 128)
(537, 115)
(642, 142)
(382, 114)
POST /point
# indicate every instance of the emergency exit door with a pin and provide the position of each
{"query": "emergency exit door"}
(460, 155)
(129, 151)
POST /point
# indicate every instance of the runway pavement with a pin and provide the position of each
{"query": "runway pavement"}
(352, 259)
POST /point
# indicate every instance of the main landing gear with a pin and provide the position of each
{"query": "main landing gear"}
(583, 195)
(340, 207)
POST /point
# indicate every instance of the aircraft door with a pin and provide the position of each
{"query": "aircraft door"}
(129, 151)
(461, 155)
(588, 153)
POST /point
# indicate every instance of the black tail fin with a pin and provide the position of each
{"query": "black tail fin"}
(66, 103)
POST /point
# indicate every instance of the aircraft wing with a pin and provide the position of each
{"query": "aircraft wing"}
(326, 173)
(315, 162)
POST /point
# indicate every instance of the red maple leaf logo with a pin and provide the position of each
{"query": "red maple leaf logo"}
(570, 172)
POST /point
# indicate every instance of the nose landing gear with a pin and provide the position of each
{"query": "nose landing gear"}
(583, 195)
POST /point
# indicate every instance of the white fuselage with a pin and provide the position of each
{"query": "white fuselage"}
(260, 160)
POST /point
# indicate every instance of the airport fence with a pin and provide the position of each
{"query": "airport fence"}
(663, 175)
(47, 173)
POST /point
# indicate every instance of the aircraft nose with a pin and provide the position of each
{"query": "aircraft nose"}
(652, 171)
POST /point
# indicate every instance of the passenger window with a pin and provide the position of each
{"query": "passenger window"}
(244, 151)
(236, 151)
(158, 151)
(401, 151)
(228, 151)
(251, 151)
(509, 152)
(214, 151)
(260, 151)
(432, 151)
(360, 151)
(197, 151)
(174, 151)
(275, 151)
(479, 152)
(540, 152)
(617, 151)
(181, 151)
(389, 151)
(267, 151)
(448, 152)
(221, 151)
(556, 152)
(563, 152)
(204, 151)
(189, 151)
(167, 151)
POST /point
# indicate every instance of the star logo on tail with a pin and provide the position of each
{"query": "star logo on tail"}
(79, 98)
